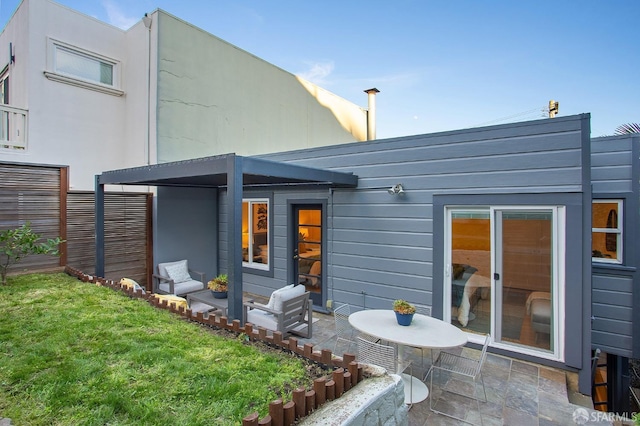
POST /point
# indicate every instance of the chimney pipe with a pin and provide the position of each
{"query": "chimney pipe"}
(371, 113)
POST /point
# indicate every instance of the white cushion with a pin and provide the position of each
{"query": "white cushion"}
(273, 295)
(262, 319)
(179, 272)
(183, 287)
(162, 267)
(287, 294)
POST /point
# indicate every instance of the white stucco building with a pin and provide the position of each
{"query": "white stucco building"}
(79, 92)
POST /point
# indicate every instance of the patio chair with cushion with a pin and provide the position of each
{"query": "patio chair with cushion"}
(176, 278)
(289, 311)
(458, 366)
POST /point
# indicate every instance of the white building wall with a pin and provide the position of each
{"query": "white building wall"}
(214, 98)
(68, 125)
(185, 94)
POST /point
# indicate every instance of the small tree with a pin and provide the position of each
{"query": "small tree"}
(16, 244)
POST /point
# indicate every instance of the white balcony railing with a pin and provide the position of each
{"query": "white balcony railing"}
(13, 128)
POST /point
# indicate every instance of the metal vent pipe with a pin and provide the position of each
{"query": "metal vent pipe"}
(371, 113)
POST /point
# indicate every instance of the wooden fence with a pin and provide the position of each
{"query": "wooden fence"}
(347, 371)
(39, 194)
(34, 194)
(128, 243)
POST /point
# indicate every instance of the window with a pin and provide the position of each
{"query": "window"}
(78, 67)
(83, 66)
(606, 234)
(255, 233)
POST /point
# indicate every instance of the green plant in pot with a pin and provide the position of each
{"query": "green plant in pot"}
(404, 311)
(219, 286)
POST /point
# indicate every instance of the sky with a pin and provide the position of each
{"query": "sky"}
(439, 65)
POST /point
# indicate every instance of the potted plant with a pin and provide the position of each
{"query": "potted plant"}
(219, 286)
(404, 311)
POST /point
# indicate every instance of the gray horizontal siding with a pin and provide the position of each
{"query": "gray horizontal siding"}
(612, 164)
(381, 246)
(614, 170)
(612, 310)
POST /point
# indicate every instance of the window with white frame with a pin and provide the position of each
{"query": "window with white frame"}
(255, 233)
(83, 66)
(79, 67)
(606, 233)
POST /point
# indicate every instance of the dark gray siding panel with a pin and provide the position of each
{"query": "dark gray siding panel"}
(615, 304)
(612, 325)
(612, 164)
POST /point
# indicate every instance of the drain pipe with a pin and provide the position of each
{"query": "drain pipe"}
(371, 113)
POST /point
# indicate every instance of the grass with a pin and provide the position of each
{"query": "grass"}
(74, 353)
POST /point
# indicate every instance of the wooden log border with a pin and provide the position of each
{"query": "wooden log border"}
(346, 374)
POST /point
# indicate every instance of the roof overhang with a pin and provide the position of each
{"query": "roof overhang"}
(213, 172)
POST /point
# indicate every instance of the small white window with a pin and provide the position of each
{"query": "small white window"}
(78, 67)
(606, 233)
(255, 233)
(83, 66)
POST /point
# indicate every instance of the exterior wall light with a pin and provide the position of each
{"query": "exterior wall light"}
(396, 189)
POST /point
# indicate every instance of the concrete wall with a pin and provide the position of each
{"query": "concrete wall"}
(214, 98)
(615, 174)
(375, 401)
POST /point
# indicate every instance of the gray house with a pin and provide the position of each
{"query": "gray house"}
(490, 226)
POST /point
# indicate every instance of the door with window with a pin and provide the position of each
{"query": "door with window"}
(502, 272)
(308, 249)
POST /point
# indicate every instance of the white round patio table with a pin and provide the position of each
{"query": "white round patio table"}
(424, 332)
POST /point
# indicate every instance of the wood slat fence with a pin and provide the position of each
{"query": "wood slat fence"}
(127, 231)
(33, 194)
(347, 371)
(39, 194)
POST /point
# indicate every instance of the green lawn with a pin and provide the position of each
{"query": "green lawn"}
(74, 353)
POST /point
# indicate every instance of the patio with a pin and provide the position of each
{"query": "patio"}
(518, 393)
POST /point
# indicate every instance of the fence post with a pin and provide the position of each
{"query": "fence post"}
(250, 420)
(319, 385)
(275, 411)
(289, 413)
(298, 399)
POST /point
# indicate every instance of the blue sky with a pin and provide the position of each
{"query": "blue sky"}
(439, 65)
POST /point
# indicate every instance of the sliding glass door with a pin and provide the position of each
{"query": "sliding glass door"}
(502, 275)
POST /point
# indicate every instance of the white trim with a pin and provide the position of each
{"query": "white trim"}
(82, 83)
(250, 263)
(619, 231)
(558, 246)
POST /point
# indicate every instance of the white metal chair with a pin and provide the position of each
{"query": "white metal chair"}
(424, 310)
(383, 356)
(344, 331)
(462, 366)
